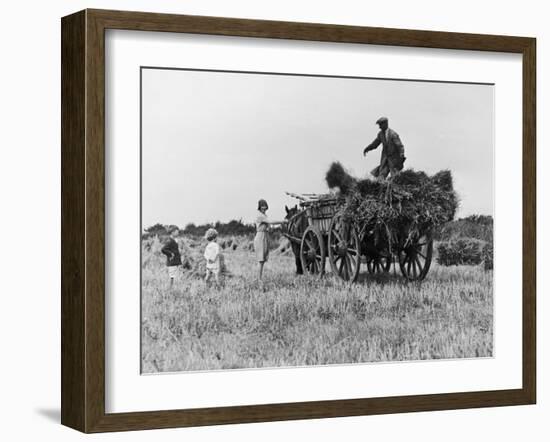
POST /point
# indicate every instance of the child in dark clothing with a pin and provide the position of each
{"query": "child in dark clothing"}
(173, 256)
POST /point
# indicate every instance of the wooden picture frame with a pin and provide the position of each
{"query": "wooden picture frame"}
(83, 220)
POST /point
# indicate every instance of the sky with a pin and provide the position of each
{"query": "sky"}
(213, 143)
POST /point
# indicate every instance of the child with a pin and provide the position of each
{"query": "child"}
(213, 256)
(173, 256)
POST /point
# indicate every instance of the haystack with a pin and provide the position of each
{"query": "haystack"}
(193, 261)
(409, 203)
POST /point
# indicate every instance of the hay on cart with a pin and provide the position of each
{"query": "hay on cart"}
(408, 204)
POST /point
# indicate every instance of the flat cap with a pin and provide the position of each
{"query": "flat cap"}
(382, 120)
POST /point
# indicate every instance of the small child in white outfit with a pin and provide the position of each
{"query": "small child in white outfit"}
(213, 256)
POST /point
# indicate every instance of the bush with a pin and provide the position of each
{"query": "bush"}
(473, 226)
(461, 251)
(487, 253)
(231, 228)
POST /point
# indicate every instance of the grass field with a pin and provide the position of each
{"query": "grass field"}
(294, 320)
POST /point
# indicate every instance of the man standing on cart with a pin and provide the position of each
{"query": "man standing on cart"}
(393, 152)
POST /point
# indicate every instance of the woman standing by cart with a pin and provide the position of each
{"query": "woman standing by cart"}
(261, 240)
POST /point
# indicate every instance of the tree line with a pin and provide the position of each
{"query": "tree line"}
(231, 228)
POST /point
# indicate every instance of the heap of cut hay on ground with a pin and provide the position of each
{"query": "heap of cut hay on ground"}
(409, 203)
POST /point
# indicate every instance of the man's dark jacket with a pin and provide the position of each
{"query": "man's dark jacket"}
(172, 252)
(393, 152)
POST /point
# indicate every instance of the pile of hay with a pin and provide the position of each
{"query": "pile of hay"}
(409, 203)
(284, 247)
(193, 262)
(338, 177)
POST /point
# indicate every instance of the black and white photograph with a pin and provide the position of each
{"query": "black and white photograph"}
(260, 221)
(292, 220)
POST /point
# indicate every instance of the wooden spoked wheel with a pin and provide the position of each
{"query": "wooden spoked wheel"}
(312, 252)
(415, 258)
(379, 264)
(344, 249)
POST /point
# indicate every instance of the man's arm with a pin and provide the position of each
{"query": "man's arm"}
(372, 145)
(397, 143)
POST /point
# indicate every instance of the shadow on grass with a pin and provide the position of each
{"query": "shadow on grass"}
(365, 278)
(384, 279)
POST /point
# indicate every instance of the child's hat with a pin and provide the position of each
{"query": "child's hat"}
(211, 234)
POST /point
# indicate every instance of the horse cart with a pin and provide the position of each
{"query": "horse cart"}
(319, 232)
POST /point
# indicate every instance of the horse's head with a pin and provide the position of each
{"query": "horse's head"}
(290, 212)
(296, 221)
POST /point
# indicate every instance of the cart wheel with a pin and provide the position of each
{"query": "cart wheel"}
(379, 264)
(344, 249)
(312, 252)
(415, 258)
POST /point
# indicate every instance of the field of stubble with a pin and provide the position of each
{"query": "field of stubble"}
(299, 320)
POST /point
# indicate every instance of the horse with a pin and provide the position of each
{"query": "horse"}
(297, 225)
